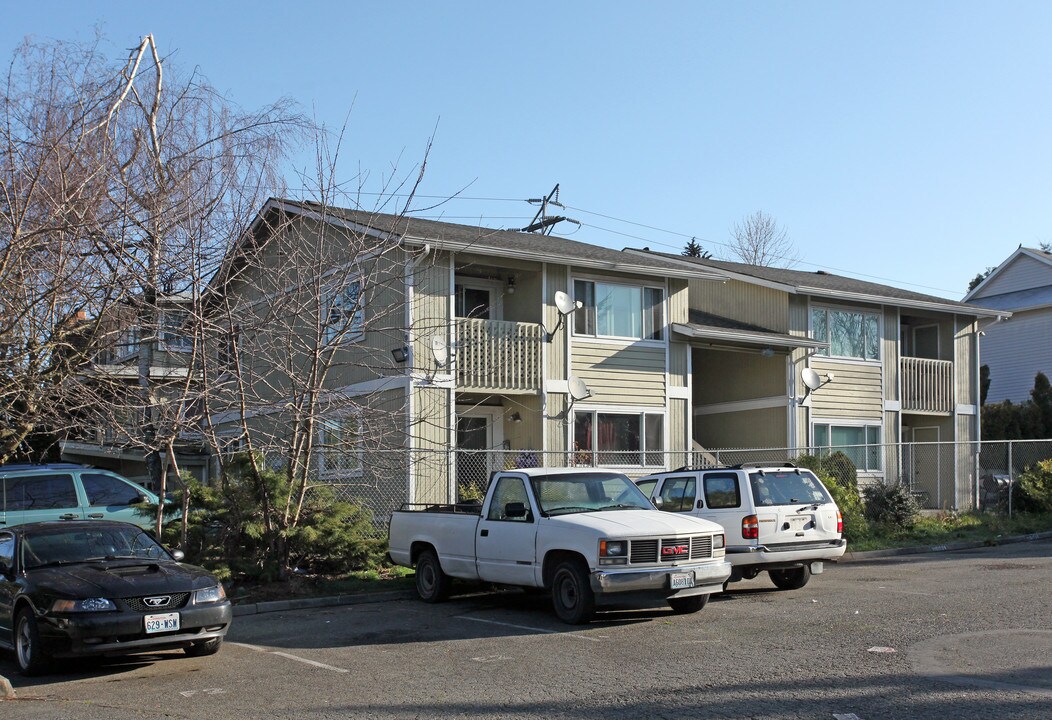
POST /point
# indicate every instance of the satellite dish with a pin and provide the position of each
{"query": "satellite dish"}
(564, 304)
(578, 390)
(439, 351)
(811, 379)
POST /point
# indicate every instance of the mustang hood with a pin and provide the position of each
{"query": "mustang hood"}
(638, 523)
(120, 579)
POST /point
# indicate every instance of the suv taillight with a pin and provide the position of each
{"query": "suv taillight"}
(750, 527)
(839, 522)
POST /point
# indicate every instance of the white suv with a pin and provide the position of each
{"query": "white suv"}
(777, 518)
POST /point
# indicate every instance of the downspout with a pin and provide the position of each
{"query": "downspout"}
(980, 332)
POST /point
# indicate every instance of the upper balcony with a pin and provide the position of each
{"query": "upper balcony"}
(498, 356)
(927, 385)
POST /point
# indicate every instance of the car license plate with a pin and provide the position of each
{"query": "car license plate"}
(165, 622)
(799, 522)
(680, 581)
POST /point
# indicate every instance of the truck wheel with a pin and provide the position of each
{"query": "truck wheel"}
(791, 579)
(32, 659)
(687, 605)
(572, 594)
(432, 585)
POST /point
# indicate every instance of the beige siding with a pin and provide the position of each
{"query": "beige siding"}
(964, 362)
(431, 442)
(726, 376)
(764, 428)
(678, 355)
(677, 440)
(799, 324)
(678, 301)
(621, 374)
(556, 430)
(889, 351)
(558, 279)
(855, 392)
(741, 301)
(526, 434)
(431, 308)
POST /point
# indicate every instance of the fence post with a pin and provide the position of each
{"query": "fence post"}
(1011, 477)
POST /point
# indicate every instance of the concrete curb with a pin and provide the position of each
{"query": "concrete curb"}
(950, 547)
(378, 597)
(320, 602)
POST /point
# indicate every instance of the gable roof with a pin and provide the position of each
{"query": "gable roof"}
(716, 329)
(497, 242)
(835, 287)
(1035, 253)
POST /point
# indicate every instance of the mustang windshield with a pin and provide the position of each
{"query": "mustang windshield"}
(64, 546)
(587, 492)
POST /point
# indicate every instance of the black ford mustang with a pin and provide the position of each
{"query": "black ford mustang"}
(75, 588)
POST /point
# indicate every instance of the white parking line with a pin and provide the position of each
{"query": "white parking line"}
(532, 629)
(297, 658)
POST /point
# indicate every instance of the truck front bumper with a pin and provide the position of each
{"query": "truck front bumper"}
(708, 578)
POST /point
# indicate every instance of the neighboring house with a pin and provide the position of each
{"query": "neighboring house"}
(450, 342)
(894, 366)
(1018, 349)
(110, 440)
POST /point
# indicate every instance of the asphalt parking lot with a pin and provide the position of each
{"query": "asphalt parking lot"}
(962, 635)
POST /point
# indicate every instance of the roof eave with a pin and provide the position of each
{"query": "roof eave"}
(902, 302)
(729, 335)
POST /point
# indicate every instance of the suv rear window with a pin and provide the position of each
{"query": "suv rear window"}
(786, 488)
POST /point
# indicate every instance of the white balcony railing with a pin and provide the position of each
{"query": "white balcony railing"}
(498, 356)
(927, 385)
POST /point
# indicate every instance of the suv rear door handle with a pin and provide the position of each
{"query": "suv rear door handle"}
(96, 516)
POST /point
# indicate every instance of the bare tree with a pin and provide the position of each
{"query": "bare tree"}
(758, 239)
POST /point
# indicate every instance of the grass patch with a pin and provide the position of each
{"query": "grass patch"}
(380, 579)
(946, 528)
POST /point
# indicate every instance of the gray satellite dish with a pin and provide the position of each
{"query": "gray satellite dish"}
(578, 390)
(439, 351)
(811, 379)
(564, 304)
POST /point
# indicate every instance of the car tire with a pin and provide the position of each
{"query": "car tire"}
(204, 648)
(432, 585)
(572, 595)
(29, 652)
(688, 605)
(790, 579)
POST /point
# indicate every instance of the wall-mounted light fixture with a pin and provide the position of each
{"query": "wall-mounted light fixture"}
(511, 284)
(515, 417)
(400, 354)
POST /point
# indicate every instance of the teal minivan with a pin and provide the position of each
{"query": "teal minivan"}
(65, 491)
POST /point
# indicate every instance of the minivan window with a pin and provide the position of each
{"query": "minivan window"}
(678, 494)
(7, 551)
(786, 488)
(721, 491)
(40, 492)
(103, 490)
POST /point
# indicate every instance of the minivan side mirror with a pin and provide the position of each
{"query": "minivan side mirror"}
(178, 555)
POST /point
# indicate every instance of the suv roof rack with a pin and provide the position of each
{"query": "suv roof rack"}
(743, 466)
(41, 466)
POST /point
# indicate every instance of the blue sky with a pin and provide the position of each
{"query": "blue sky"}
(902, 142)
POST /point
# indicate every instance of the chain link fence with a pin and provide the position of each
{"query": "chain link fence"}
(941, 476)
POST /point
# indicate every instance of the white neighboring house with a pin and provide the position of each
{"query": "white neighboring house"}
(1019, 347)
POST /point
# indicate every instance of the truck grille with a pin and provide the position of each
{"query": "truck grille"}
(698, 547)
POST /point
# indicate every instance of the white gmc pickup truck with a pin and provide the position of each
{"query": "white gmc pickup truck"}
(587, 536)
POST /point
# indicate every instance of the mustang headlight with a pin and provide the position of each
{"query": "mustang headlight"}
(85, 605)
(209, 595)
(613, 552)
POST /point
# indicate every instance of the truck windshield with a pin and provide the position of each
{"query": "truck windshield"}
(786, 487)
(587, 492)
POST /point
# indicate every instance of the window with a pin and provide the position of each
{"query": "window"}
(721, 491)
(861, 443)
(40, 492)
(339, 453)
(786, 488)
(127, 343)
(474, 301)
(345, 315)
(850, 334)
(173, 333)
(622, 311)
(7, 551)
(678, 494)
(508, 490)
(105, 490)
(610, 438)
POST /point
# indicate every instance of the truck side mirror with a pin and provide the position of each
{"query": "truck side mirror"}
(515, 510)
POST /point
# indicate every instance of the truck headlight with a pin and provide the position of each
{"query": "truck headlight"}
(613, 552)
(85, 605)
(718, 542)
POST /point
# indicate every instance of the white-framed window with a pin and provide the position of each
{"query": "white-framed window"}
(859, 441)
(618, 310)
(172, 334)
(618, 438)
(127, 342)
(850, 333)
(338, 448)
(345, 312)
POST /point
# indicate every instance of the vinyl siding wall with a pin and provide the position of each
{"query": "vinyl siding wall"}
(1022, 273)
(744, 302)
(1016, 350)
